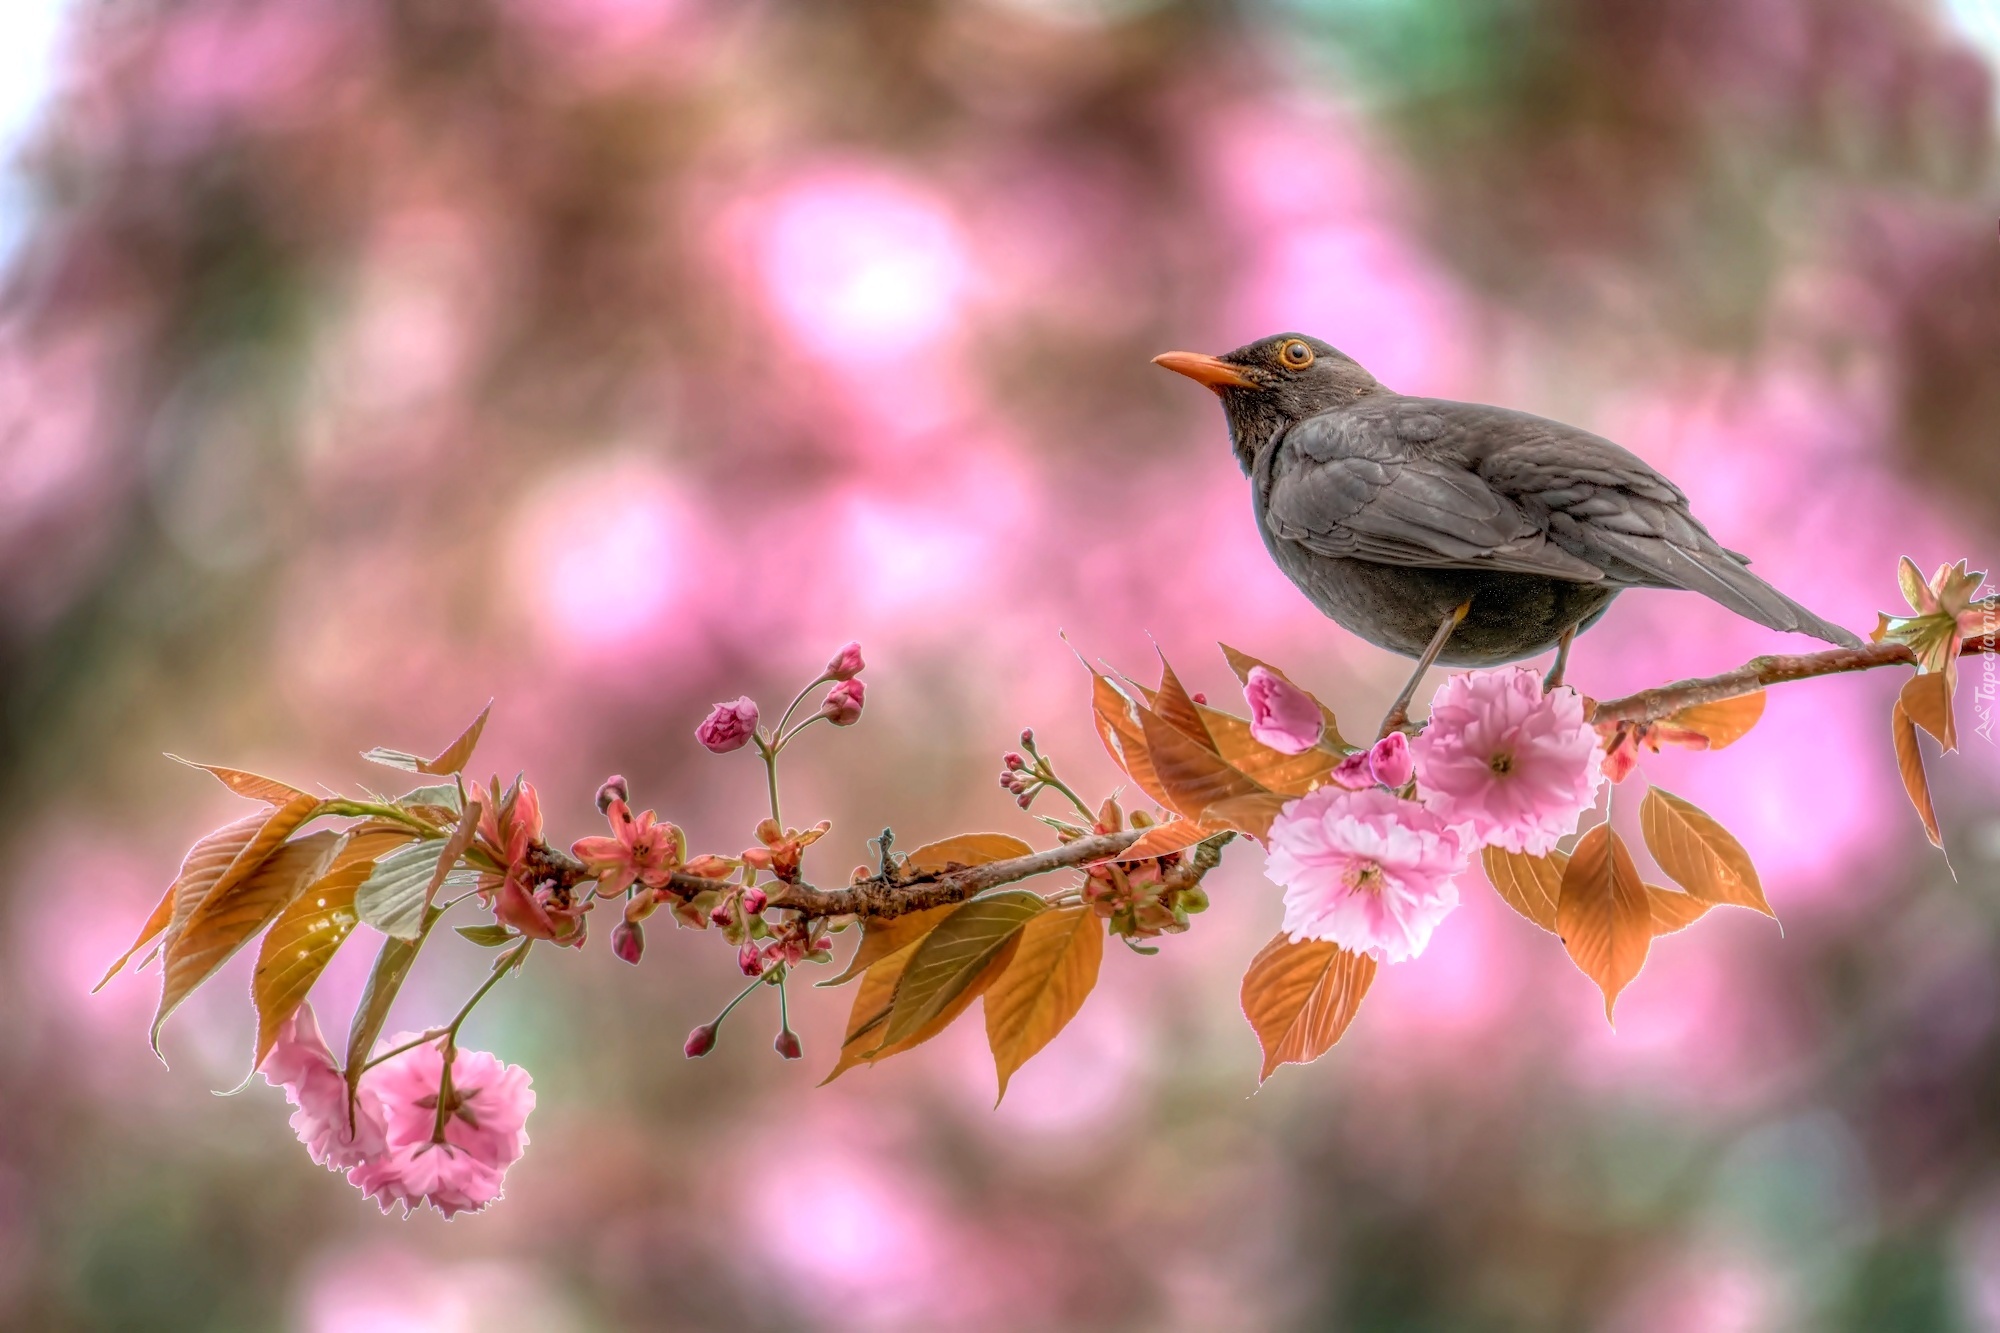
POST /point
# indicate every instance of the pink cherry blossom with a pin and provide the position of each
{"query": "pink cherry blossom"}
(1515, 765)
(846, 663)
(509, 826)
(728, 726)
(1282, 715)
(455, 1162)
(640, 849)
(1368, 870)
(842, 705)
(302, 1065)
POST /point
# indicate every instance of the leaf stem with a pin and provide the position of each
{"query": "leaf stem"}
(770, 754)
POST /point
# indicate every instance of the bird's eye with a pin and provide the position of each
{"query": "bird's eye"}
(1296, 355)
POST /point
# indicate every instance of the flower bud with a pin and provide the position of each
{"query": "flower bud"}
(846, 663)
(728, 726)
(750, 959)
(612, 790)
(842, 705)
(1390, 761)
(700, 1042)
(1027, 738)
(1025, 799)
(1193, 899)
(755, 900)
(628, 940)
(1199, 697)
(787, 1044)
(720, 914)
(1282, 715)
(1014, 761)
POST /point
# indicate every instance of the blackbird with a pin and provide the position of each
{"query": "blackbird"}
(1458, 532)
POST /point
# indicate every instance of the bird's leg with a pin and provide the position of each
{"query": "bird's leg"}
(1555, 676)
(1399, 712)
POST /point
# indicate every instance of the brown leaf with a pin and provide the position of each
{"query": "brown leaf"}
(1240, 663)
(202, 866)
(967, 849)
(1723, 722)
(232, 914)
(454, 846)
(876, 997)
(304, 938)
(1175, 708)
(1910, 761)
(1252, 814)
(883, 936)
(1672, 910)
(1193, 778)
(1603, 915)
(1286, 774)
(1300, 998)
(1054, 968)
(1173, 836)
(452, 760)
(1927, 699)
(1698, 853)
(1531, 885)
(253, 785)
(954, 955)
(1124, 739)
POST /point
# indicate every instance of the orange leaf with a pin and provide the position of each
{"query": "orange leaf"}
(1241, 663)
(967, 849)
(452, 760)
(1300, 998)
(883, 936)
(1164, 839)
(253, 785)
(1531, 885)
(1722, 722)
(1174, 707)
(203, 865)
(1927, 699)
(1698, 853)
(233, 913)
(1124, 739)
(1054, 970)
(1673, 910)
(1252, 814)
(1194, 778)
(875, 999)
(1603, 915)
(1286, 774)
(1910, 761)
(300, 943)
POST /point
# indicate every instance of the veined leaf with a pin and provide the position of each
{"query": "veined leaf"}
(1673, 910)
(454, 847)
(452, 760)
(438, 796)
(200, 869)
(1193, 778)
(1531, 885)
(393, 897)
(1910, 762)
(1053, 971)
(1241, 663)
(253, 785)
(1124, 739)
(488, 936)
(229, 917)
(1172, 704)
(392, 965)
(882, 936)
(1300, 998)
(1723, 722)
(1286, 774)
(1252, 814)
(967, 849)
(278, 825)
(304, 938)
(1927, 699)
(1176, 835)
(876, 997)
(1603, 915)
(1698, 853)
(955, 953)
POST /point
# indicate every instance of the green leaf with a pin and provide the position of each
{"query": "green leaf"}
(443, 794)
(955, 953)
(392, 898)
(392, 965)
(488, 936)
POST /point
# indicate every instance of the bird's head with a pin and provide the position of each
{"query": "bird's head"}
(1268, 385)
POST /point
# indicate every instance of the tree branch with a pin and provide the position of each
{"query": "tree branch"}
(1665, 700)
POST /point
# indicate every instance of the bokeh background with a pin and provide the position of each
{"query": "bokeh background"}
(363, 359)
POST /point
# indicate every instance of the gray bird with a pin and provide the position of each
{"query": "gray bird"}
(1457, 532)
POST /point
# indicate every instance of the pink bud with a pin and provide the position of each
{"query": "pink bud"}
(728, 726)
(842, 705)
(1027, 739)
(846, 663)
(1015, 763)
(1199, 697)
(1282, 715)
(612, 790)
(719, 914)
(749, 960)
(1390, 761)
(628, 941)
(755, 901)
(700, 1042)
(1025, 799)
(1354, 772)
(787, 1044)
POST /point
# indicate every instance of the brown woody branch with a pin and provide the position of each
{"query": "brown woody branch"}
(1665, 700)
(887, 896)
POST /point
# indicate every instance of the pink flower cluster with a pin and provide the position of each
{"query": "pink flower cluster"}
(1500, 763)
(416, 1137)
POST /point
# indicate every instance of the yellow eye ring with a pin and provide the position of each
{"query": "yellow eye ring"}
(1295, 355)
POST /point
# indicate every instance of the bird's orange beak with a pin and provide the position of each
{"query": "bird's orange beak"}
(1212, 371)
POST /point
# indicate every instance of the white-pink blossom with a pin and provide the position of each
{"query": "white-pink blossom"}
(1514, 765)
(1368, 870)
(301, 1064)
(482, 1122)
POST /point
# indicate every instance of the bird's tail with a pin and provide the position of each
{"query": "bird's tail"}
(1722, 577)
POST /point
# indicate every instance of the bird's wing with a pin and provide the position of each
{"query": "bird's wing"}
(1362, 485)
